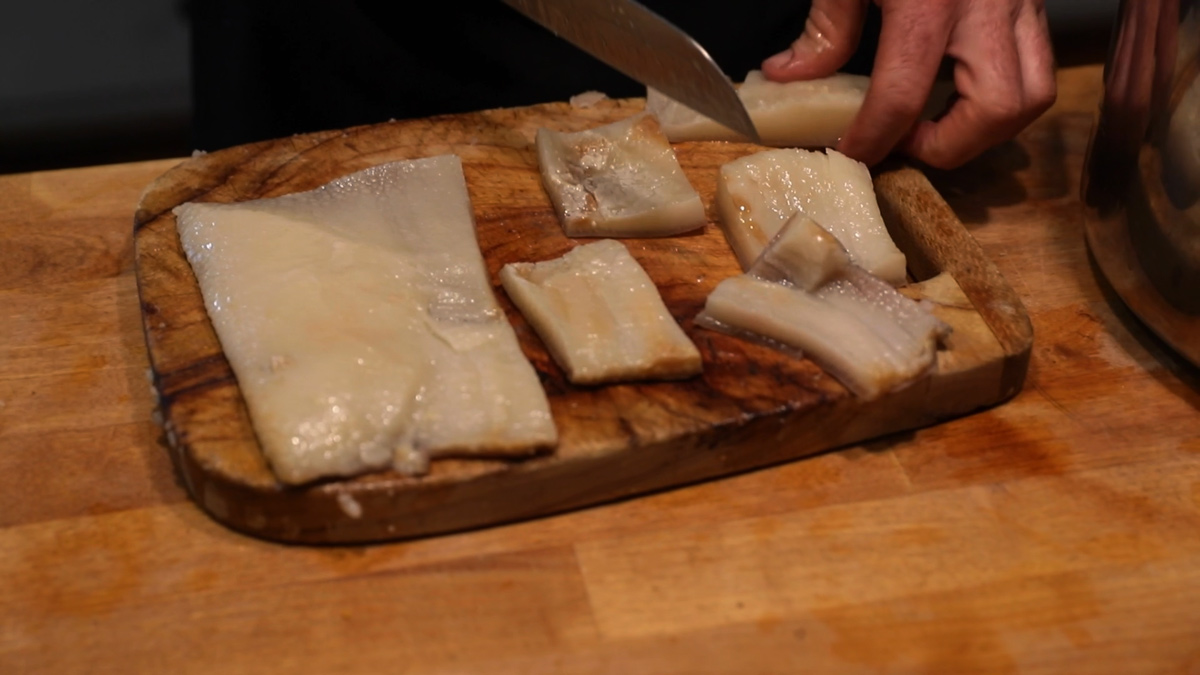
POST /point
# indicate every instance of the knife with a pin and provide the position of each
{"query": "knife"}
(643, 45)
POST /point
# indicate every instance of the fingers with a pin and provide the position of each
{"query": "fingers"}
(831, 35)
(1037, 58)
(988, 79)
(1004, 84)
(912, 41)
(1004, 72)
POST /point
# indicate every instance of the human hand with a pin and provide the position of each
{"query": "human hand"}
(1003, 72)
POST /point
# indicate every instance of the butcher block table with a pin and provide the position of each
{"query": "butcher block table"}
(1058, 532)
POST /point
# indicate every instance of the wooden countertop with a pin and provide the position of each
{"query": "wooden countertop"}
(1059, 532)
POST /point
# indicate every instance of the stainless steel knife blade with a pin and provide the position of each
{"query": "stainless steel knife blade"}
(643, 45)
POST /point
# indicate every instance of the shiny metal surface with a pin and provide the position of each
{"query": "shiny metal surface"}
(636, 41)
(1141, 179)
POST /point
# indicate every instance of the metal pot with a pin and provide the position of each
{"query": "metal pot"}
(1141, 181)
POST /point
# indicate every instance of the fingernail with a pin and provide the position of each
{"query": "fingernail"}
(813, 40)
(781, 59)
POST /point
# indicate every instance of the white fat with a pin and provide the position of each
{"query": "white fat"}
(359, 320)
(807, 114)
(588, 99)
(349, 505)
(619, 180)
(601, 316)
(835, 341)
(757, 194)
(801, 114)
(802, 254)
(803, 294)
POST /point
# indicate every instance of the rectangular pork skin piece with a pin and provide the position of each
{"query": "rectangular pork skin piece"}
(758, 193)
(802, 114)
(361, 325)
(804, 293)
(601, 316)
(618, 180)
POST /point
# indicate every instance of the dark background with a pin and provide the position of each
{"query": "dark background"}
(86, 83)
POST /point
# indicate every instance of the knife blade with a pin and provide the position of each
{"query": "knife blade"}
(643, 45)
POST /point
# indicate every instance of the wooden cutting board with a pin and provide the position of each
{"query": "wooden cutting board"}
(752, 407)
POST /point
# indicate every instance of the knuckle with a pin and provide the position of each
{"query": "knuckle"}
(938, 149)
(1042, 95)
(1001, 107)
(940, 158)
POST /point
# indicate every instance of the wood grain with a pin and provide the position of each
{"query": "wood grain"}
(751, 407)
(1055, 533)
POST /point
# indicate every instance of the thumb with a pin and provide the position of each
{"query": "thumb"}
(831, 35)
